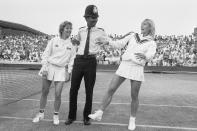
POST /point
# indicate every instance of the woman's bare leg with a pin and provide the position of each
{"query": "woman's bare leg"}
(114, 84)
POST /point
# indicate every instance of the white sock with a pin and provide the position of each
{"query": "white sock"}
(132, 118)
(41, 113)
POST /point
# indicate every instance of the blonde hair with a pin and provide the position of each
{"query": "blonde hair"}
(62, 25)
(152, 26)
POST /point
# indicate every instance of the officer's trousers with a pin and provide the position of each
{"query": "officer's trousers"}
(84, 67)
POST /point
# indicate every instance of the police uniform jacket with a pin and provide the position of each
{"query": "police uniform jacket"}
(95, 32)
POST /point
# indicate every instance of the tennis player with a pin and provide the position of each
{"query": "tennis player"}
(140, 49)
(57, 63)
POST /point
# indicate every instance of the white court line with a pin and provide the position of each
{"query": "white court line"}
(113, 103)
(109, 124)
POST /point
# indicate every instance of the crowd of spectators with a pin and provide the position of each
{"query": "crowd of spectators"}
(171, 50)
(175, 51)
(27, 48)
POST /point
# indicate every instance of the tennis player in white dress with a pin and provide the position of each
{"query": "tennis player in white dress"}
(57, 63)
(140, 49)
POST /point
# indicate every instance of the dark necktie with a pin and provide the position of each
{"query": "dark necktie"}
(86, 50)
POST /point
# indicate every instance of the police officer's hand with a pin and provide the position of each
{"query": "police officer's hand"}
(102, 41)
(75, 41)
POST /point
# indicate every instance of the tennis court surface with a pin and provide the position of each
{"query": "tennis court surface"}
(168, 102)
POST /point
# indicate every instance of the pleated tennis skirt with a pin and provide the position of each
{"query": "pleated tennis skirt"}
(131, 71)
(55, 73)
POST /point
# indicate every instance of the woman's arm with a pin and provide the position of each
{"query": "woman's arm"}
(103, 40)
(149, 54)
(47, 52)
(122, 42)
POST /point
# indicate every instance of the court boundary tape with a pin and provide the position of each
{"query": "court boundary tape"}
(107, 124)
(113, 103)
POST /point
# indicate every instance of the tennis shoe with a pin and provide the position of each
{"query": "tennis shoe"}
(56, 120)
(132, 125)
(97, 115)
(38, 117)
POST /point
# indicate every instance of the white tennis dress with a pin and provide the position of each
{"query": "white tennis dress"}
(58, 55)
(130, 67)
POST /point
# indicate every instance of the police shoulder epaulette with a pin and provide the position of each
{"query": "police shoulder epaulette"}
(101, 29)
(144, 41)
(82, 27)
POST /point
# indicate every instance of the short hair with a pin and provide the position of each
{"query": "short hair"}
(152, 26)
(62, 25)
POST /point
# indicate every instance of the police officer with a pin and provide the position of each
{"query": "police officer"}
(85, 64)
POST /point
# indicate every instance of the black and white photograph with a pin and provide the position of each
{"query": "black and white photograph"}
(98, 65)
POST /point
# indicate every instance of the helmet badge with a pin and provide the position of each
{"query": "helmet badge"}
(95, 10)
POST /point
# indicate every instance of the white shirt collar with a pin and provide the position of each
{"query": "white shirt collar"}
(146, 37)
(63, 39)
(92, 28)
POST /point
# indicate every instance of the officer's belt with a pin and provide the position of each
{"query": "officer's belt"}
(85, 56)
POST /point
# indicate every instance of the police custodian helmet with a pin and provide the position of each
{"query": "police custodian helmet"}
(91, 11)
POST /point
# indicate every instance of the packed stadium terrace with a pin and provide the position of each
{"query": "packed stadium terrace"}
(22, 48)
(171, 51)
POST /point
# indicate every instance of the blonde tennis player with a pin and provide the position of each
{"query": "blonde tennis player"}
(57, 63)
(140, 49)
